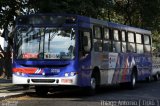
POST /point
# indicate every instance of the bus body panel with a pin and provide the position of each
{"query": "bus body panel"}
(120, 66)
(114, 67)
(56, 70)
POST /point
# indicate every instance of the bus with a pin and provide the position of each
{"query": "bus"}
(65, 50)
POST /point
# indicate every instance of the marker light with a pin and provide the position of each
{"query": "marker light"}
(18, 73)
(22, 74)
(73, 73)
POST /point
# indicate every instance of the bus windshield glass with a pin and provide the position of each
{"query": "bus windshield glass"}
(45, 43)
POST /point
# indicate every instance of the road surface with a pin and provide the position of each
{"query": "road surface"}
(146, 94)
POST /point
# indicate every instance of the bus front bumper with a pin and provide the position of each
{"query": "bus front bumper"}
(55, 81)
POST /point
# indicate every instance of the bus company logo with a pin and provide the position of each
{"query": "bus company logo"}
(55, 71)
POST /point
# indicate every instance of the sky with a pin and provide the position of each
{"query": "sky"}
(1, 30)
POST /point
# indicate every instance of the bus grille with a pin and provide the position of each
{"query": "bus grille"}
(43, 80)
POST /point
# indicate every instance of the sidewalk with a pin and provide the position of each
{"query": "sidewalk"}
(7, 89)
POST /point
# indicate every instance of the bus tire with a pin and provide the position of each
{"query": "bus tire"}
(94, 83)
(156, 77)
(132, 83)
(41, 90)
(148, 79)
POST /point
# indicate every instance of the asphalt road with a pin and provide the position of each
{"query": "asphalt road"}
(145, 94)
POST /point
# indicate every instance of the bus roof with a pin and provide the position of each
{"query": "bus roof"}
(114, 25)
(90, 21)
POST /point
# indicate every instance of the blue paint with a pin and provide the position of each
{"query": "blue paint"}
(83, 66)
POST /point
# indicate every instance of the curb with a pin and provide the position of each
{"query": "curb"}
(12, 96)
(5, 80)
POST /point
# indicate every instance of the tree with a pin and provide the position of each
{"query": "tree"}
(139, 13)
(91, 8)
(9, 10)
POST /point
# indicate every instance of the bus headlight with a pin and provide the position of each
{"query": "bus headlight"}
(22, 74)
(72, 73)
(66, 74)
(18, 73)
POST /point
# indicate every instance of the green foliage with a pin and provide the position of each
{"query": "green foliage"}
(92, 8)
(139, 13)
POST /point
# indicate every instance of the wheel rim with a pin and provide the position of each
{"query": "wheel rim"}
(157, 76)
(93, 83)
(133, 80)
(149, 78)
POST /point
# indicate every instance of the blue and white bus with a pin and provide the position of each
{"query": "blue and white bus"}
(53, 50)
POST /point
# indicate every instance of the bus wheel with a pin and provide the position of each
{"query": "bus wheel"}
(93, 85)
(156, 77)
(132, 83)
(148, 79)
(41, 90)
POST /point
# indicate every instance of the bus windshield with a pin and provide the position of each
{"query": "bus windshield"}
(45, 43)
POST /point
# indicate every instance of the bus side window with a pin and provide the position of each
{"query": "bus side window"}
(97, 45)
(139, 45)
(117, 47)
(131, 42)
(97, 39)
(85, 42)
(116, 41)
(97, 32)
(107, 46)
(147, 44)
(123, 39)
